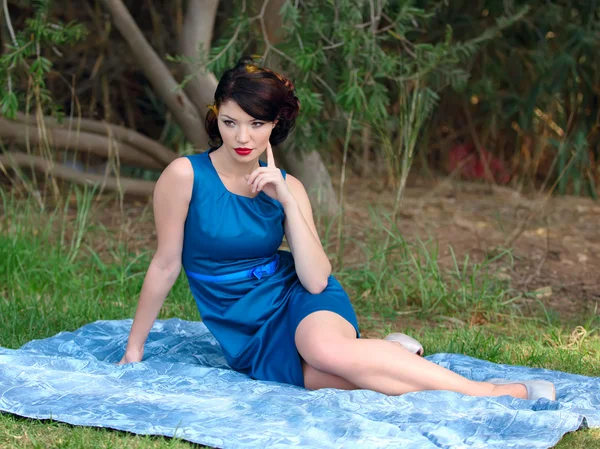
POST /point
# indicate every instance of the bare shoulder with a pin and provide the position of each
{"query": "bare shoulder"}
(296, 186)
(179, 168)
(177, 172)
(177, 180)
(299, 192)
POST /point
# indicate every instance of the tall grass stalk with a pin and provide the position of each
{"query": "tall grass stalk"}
(340, 249)
(84, 199)
(415, 107)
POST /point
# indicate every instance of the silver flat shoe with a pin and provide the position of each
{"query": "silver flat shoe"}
(536, 389)
(409, 343)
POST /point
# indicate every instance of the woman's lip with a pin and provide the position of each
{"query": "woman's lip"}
(243, 149)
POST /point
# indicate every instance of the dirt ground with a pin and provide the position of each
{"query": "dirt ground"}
(555, 241)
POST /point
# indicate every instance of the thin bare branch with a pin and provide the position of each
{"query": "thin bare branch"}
(229, 44)
(9, 24)
(330, 47)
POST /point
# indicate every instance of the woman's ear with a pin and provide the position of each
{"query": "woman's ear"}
(275, 123)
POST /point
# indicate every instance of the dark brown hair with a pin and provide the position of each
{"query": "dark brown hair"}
(261, 93)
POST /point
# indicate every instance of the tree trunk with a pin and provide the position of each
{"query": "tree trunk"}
(197, 34)
(158, 74)
(309, 168)
(307, 165)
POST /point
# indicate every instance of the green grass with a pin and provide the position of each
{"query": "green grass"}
(52, 279)
(60, 269)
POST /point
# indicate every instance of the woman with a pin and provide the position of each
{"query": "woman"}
(278, 315)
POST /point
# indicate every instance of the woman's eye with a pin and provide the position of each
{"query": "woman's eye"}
(231, 123)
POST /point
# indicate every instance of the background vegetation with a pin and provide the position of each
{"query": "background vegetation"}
(508, 91)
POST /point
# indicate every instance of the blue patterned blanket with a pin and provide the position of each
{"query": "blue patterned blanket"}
(185, 388)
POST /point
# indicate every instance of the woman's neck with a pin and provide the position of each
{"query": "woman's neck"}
(227, 166)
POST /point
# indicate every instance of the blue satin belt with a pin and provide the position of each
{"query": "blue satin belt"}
(257, 272)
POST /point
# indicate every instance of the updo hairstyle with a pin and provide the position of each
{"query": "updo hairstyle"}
(261, 93)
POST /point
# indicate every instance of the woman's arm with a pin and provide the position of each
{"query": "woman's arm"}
(312, 265)
(172, 196)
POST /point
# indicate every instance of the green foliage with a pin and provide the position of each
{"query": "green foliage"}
(25, 64)
(51, 257)
(408, 276)
(361, 60)
(529, 67)
(573, 165)
(348, 57)
(539, 80)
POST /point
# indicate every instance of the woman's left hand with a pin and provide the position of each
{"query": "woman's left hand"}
(270, 180)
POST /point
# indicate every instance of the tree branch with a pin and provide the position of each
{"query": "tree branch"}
(129, 136)
(24, 134)
(126, 185)
(197, 34)
(9, 24)
(158, 74)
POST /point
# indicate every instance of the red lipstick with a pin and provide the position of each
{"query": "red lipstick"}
(243, 151)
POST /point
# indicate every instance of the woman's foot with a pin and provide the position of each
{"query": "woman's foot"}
(533, 389)
(407, 342)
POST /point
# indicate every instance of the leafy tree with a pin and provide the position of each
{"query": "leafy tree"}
(369, 74)
(534, 87)
(23, 63)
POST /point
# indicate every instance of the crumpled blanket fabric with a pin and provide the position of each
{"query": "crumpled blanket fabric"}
(184, 388)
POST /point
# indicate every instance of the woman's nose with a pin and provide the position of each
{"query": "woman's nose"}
(242, 135)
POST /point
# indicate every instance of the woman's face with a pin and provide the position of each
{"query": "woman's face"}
(242, 131)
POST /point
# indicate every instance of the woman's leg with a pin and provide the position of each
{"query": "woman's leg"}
(315, 379)
(328, 343)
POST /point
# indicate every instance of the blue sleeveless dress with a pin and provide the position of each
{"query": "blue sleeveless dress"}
(246, 288)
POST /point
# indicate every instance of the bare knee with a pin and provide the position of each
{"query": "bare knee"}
(324, 356)
(323, 339)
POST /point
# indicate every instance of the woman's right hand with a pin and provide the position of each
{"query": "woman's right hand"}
(132, 356)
